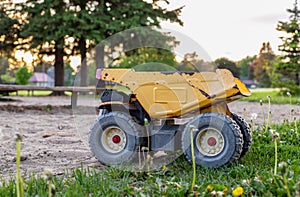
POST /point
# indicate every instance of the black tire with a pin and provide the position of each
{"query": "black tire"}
(246, 132)
(222, 141)
(123, 133)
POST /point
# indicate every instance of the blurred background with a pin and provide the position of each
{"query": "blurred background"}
(45, 43)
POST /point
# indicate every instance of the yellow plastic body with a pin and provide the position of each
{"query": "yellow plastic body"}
(169, 95)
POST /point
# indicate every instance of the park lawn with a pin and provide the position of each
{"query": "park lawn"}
(276, 97)
(34, 93)
(254, 173)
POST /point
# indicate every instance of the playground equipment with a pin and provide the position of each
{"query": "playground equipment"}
(160, 110)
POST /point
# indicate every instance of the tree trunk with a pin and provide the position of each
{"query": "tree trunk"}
(83, 68)
(99, 58)
(58, 69)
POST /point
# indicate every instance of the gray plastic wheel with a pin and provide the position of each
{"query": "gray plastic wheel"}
(246, 132)
(217, 140)
(113, 138)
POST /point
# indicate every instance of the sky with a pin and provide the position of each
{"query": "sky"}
(231, 28)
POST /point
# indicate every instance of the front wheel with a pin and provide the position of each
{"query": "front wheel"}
(217, 140)
(114, 138)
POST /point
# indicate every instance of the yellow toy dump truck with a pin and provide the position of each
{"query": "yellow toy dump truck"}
(163, 109)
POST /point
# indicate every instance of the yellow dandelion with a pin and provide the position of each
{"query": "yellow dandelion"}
(210, 188)
(163, 168)
(238, 191)
(225, 190)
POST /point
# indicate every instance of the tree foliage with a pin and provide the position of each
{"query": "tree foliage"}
(142, 45)
(146, 55)
(289, 67)
(263, 65)
(244, 65)
(3, 66)
(191, 62)
(11, 19)
(127, 14)
(22, 76)
(7, 78)
(49, 25)
(225, 63)
(48, 18)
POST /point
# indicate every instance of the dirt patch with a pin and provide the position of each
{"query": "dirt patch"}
(279, 113)
(49, 109)
(49, 141)
(55, 135)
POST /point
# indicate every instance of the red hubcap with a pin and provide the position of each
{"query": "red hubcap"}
(116, 139)
(211, 141)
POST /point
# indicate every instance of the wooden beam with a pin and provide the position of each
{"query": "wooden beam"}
(4, 87)
(73, 89)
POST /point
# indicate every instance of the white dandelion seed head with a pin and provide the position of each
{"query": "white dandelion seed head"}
(244, 182)
(276, 135)
(272, 131)
(257, 179)
(253, 116)
(48, 174)
(282, 164)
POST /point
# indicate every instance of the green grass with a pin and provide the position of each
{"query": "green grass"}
(276, 97)
(254, 173)
(35, 93)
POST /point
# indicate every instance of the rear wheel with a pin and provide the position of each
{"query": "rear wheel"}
(246, 132)
(114, 138)
(217, 140)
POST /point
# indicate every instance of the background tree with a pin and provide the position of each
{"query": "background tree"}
(143, 45)
(146, 55)
(288, 69)
(8, 78)
(129, 14)
(192, 62)
(48, 19)
(3, 67)
(244, 65)
(11, 19)
(264, 65)
(69, 74)
(228, 64)
(22, 76)
(94, 21)
(87, 23)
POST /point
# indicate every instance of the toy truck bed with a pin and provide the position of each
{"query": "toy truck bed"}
(165, 95)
